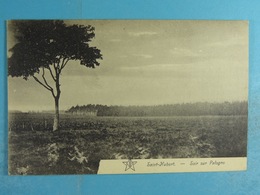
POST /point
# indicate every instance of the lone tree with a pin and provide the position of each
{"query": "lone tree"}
(43, 49)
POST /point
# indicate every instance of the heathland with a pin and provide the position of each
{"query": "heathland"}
(84, 139)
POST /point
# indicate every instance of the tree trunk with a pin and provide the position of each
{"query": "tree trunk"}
(56, 117)
(56, 99)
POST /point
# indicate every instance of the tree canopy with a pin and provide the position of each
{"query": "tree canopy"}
(50, 42)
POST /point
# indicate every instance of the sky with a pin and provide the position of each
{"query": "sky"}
(149, 62)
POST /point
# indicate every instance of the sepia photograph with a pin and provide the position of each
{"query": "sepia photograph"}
(165, 93)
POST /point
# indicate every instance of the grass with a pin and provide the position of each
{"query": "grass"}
(35, 149)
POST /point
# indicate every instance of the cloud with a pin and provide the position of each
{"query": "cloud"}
(185, 52)
(147, 56)
(153, 67)
(158, 71)
(115, 40)
(143, 33)
(123, 56)
(233, 41)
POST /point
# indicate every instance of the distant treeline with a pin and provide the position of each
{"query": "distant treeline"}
(185, 109)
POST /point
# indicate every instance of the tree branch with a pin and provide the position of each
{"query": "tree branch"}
(60, 66)
(36, 79)
(45, 84)
(44, 79)
(49, 68)
(54, 65)
(64, 64)
(57, 67)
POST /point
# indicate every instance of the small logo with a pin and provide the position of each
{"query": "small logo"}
(130, 164)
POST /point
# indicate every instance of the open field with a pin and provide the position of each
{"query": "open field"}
(83, 141)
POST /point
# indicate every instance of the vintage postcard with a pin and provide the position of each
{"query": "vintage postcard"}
(127, 96)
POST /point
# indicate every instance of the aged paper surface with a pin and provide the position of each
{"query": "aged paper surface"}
(127, 96)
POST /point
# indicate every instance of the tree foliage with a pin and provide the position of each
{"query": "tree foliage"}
(40, 44)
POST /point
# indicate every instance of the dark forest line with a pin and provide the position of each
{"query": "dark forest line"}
(184, 109)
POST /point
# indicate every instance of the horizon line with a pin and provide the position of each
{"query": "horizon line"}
(109, 105)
